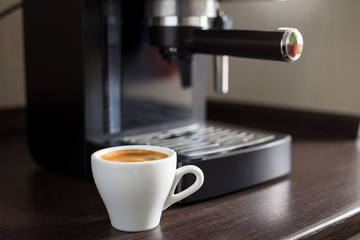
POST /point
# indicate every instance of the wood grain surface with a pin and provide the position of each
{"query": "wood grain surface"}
(320, 199)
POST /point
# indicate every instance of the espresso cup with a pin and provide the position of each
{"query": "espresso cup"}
(136, 193)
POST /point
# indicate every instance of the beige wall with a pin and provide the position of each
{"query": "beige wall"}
(12, 90)
(326, 78)
(356, 237)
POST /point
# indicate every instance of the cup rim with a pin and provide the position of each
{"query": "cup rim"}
(96, 155)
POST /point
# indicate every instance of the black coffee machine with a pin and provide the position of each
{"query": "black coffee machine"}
(101, 73)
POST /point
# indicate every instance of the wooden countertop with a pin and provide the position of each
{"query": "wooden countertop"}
(320, 199)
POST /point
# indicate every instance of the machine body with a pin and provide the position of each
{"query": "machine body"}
(101, 73)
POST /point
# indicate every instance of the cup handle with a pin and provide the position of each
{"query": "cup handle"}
(173, 198)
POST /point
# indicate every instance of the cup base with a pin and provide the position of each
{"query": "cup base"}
(134, 229)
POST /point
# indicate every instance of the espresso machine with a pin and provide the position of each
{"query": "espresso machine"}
(102, 73)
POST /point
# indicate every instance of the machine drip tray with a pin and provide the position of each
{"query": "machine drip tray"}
(232, 158)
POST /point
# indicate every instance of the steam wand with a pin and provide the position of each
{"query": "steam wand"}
(284, 44)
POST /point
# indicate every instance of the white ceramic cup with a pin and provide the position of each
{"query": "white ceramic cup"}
(136, 193)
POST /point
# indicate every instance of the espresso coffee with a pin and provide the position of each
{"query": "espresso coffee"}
(133, 155)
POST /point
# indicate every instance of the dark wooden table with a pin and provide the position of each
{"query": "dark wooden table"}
(320, 199)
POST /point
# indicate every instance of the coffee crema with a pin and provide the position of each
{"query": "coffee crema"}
(133, 155)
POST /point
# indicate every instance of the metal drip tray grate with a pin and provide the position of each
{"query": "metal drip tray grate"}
(198, 140)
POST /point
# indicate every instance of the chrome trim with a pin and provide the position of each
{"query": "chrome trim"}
(181, 8)
(174, 13)
(175, 21)
(291, 44)
(221, 74)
